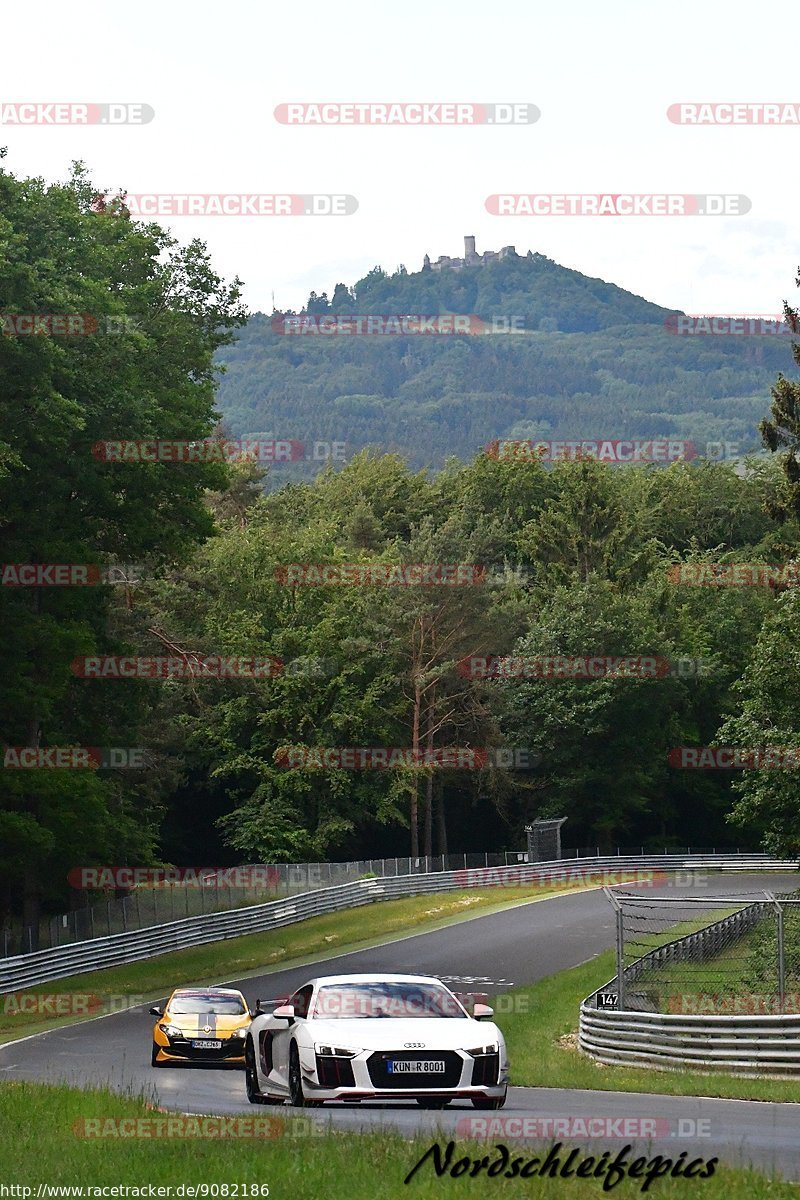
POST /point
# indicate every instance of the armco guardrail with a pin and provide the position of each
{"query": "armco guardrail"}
(44, 965)
(751, 1043)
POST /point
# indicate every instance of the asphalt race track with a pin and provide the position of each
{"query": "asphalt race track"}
(489, 953)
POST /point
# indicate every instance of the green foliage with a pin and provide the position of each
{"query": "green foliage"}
(590, 361)
(145, 369)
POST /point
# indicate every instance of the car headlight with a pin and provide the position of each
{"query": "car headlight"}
(171, 1031)
(484, 1050)
(335, 1051)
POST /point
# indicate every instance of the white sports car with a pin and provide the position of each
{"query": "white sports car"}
(375, 1037)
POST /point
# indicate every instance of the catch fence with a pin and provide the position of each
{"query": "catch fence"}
(706, 955)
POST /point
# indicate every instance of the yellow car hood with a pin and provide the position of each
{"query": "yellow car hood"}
(206, 1024)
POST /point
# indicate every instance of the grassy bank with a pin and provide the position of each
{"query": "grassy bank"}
(44, 1142)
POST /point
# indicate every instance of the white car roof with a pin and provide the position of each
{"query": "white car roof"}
(375, 977)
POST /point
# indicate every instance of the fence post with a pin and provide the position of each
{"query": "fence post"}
(781, 959)
(620, 947)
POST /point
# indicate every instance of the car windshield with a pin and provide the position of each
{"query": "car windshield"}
(360, 1000)
(221, 1006)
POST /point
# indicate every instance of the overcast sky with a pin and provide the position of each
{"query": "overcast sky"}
(603, 76)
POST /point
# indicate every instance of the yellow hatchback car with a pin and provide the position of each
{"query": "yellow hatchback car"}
(201, 1025)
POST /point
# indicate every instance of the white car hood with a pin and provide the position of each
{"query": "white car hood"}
(392, 1033)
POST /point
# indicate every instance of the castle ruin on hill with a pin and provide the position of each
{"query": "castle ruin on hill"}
(471, 257)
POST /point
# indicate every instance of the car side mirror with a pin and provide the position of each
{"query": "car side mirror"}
(156, 1011)
(284, 1012)
(257, 1011)
(482, 1011)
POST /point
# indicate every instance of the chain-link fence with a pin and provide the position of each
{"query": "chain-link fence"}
(212, 891)
(726, 955)
(102, 914)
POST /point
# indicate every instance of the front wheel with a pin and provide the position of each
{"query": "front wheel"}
(489, 1101)
(154, 1061)
(296, 1094)
(250, 1075)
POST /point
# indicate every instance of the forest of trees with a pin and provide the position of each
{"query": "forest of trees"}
(591, 361)
(576, 559)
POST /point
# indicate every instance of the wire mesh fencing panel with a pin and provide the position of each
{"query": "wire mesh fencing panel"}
(726, 955)
(216, 890)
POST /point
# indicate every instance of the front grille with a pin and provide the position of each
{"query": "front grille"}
(334, 1072)
(231, 1048)
(383, 1078)
(485, 1070)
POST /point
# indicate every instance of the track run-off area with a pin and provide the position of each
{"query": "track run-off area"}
(510, 948)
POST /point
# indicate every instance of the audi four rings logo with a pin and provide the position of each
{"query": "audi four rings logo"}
(413, 1045)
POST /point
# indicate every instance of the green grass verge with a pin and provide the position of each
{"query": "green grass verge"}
(541, 1032)
(41, 1145)
(254, 954)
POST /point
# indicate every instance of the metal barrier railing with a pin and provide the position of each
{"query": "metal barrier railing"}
(56, 963)
(144, 907)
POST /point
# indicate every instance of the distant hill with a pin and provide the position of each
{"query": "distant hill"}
(590, 361)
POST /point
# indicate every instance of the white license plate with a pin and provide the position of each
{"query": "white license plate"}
(416, 1067)
(206, 1045)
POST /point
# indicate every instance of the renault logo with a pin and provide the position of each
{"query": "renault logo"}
(206, 1029)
